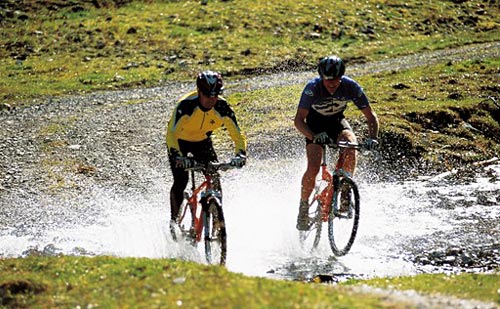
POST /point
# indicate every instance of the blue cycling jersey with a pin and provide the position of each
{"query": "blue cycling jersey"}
(315, 96)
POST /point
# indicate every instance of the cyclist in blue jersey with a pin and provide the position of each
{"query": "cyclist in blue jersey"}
(320, 117)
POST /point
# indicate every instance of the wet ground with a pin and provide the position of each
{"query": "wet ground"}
(437, 224)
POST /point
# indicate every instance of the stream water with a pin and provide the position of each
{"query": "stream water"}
(402, 225)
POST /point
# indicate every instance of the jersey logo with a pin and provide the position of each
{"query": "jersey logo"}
(308, 92)
(330, 107)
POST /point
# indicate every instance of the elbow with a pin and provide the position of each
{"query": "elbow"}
(297, 122)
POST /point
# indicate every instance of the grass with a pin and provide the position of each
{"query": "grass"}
(142, 283)
(446, 104)
(80, 47)
(420, 110)
(109, 282)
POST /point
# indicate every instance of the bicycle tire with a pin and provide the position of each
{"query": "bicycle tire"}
(309, 239)
(214, 233)
(342, 228)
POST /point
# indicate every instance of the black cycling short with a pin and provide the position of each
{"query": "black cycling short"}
(332, 125)
(203, 151)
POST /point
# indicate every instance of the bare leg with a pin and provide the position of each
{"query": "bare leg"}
(314, 153)
(348, 157)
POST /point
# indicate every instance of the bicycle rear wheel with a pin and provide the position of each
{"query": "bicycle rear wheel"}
(214, 233)
(343, 225)
(309, 239)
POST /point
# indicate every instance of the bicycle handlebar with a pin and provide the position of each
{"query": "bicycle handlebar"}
(214, 166)
(344, 144)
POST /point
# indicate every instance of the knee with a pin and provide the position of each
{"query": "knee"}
(312, 171)
(348, 136)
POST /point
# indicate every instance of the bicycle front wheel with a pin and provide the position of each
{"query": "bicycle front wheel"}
(214, 229)
(343, 219)
(309, 239)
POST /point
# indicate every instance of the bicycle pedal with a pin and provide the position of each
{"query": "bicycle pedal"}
(310, 224)
(189, 236)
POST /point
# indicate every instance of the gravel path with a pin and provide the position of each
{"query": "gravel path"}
(68, 143)
(414, 299)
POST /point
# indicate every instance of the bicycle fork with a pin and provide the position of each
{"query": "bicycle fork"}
(207, 197)
(342, 186)
(335, 195)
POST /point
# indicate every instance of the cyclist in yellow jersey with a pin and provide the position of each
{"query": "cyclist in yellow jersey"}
(189, 131)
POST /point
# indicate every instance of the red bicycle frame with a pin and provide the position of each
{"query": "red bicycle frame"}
(326, 195)
(193, 202)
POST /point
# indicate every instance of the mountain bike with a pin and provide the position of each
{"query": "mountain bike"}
(336, 201)
(205, 220)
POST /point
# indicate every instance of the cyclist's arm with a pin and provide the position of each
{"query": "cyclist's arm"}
(372, 120)
(300, 122)
(171, 138)
(236, 134)
(184, 109)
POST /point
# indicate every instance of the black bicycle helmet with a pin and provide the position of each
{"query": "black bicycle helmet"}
(210, 83)
(331, 67)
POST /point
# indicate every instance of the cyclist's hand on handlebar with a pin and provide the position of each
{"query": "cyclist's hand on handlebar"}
(239, 160)
(183, 162)
(321, 138)
(371, 144)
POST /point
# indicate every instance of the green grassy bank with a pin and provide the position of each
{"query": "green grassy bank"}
(441, 114)
(106, 282)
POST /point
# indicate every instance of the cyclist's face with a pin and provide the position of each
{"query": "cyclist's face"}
(206, 101)
(331, 84)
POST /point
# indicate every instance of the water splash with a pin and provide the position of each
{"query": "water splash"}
(260, 204)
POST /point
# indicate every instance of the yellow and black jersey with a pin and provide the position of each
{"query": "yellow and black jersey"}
(191, 123)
